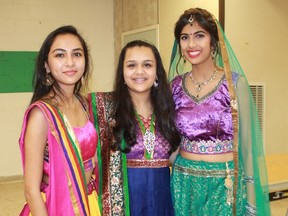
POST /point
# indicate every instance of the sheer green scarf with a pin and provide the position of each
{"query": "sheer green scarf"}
(248, 142)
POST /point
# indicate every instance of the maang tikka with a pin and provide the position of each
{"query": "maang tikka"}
(191, 19)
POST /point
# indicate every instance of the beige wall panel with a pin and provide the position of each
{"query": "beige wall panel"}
(169, 12)
(258, 32)
(24, 26)
(130, 15)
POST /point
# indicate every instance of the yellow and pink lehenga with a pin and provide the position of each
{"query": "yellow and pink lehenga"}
(66, 192)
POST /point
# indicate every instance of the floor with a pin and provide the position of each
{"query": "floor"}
(12, 199)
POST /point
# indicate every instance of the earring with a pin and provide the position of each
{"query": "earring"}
(155, 84)
(48, 80)
(82, 81)
(213, 54)
(184, 58)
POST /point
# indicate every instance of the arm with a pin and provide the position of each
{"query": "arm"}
(173, 156)
(35, 142)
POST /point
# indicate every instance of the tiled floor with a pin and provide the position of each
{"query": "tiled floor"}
(12, 200)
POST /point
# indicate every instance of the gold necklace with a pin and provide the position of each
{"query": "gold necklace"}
(199, 85)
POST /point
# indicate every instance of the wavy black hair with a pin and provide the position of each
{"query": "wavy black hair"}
(41, 90)
(204, 19)
(161, 99)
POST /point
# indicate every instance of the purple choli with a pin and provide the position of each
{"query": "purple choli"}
(136, 158)
(161, 148)
(205, 124)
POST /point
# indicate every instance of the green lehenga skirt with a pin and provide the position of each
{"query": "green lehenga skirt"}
(198, 188)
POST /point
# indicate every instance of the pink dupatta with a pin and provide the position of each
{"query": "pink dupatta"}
(66, 193)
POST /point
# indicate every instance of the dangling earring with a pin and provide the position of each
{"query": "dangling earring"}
(82, 81)
(184, 58)
(48, 80)
(213, 54)
(155, 84)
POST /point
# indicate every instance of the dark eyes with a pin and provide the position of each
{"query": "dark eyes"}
(131, 65)
(199, 35)
(61, 55)
(146, 65)
(78, 54)
(186, 37)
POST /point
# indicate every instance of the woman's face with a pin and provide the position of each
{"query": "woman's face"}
(66, 60)
(195, 43)
(139, 69)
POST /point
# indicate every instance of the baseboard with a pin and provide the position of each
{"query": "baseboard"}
(14, 178)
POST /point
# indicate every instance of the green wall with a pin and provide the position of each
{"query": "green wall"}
(16, 71)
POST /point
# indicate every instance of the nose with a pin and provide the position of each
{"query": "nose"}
(70, 60)
(139, 69)
(192, 42)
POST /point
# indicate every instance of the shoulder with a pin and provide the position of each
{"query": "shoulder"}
(178, 80)
(36, 117)
(176, 83)
(37, 111)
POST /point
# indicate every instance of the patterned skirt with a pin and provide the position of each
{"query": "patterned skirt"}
(198, 188)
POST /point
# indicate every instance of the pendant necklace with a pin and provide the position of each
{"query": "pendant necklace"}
(148, 136)
(200, 85)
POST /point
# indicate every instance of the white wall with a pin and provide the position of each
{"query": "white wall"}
(24, 26)
(258, 31)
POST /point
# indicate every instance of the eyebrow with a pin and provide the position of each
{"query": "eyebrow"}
(146, 60)
(197, 32)
(63, 50)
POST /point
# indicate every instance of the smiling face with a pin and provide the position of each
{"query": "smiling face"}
(139, 69)
(195, 44)
(66, 60)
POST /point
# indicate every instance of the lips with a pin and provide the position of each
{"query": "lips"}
(70, 72)
(193, 54)
(139, 79)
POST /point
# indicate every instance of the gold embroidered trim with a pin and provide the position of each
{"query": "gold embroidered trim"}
(155, 163)
(203, 173)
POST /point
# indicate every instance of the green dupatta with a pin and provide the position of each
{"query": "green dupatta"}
(248, 142)
(112, 166)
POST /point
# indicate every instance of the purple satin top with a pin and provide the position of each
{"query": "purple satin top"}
(161, 148)
(203, 120)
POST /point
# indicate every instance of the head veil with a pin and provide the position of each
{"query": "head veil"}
(248, 143)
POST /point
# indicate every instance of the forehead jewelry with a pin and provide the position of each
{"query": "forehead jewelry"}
(191, 19)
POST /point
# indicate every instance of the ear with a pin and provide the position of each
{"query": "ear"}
(47, 67)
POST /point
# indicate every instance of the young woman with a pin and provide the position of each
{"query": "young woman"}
(58, 142)
(220, 169)
(140, 115)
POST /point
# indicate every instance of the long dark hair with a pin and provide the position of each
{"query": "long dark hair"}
(41, 90)
(161, 99)
(204, 19)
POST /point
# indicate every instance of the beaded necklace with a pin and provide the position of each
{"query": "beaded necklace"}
(148, 136)
(200, 85)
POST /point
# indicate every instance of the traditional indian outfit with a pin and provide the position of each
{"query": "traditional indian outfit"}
(70, 151)
(130, 184)
(223, 121)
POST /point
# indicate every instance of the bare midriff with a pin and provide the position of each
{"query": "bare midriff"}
(208, 158)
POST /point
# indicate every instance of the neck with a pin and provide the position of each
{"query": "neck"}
(65, 99)
(142, 104)
(203, 72)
